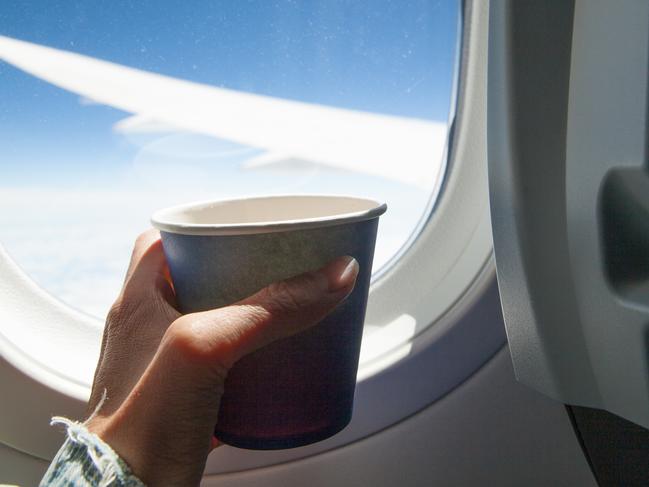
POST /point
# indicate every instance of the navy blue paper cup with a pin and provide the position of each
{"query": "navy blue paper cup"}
(299, 390)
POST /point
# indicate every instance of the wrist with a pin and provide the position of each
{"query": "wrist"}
(158, 454)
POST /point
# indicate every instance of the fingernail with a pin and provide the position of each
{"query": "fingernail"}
(341, 273)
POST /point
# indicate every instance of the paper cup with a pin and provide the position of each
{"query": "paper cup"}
(299, 390)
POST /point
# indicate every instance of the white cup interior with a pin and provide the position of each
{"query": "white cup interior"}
(269, 213)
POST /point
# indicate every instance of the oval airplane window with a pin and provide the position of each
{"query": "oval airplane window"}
(331, 97)
(116, 112)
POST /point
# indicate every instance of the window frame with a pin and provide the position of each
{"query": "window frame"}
(457, 322)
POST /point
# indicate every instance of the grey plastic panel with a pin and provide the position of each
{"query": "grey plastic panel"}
(569, 191)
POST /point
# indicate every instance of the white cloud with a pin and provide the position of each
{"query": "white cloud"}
(77, 243)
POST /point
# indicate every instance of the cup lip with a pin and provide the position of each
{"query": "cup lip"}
(162, 221)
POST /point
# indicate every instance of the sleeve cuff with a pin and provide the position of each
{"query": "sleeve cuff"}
(86, 460)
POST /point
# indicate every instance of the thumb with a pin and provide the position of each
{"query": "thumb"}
(282, 309)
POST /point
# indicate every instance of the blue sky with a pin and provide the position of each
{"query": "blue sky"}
(74, 192)
(391, 57)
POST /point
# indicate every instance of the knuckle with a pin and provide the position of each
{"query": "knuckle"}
(141, 238)
(310, 283)
(282, 298)
(184, 340)
(127, 311)
(137, 288)
(144, 237)
(294, 294)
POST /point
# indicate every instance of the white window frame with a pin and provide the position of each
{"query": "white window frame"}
(435, 307)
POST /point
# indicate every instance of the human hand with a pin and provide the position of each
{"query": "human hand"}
(163, 373)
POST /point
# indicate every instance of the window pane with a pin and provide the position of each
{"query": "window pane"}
(81, 173)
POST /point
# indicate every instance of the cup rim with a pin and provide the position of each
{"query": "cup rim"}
(163, 221)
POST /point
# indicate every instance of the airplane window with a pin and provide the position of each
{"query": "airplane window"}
(110, 110)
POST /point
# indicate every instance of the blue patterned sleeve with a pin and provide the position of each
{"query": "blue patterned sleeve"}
(85, 460)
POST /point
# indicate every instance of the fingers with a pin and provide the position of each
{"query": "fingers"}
(224, 335)
(142, 244)
(148, 268)
(145, 243)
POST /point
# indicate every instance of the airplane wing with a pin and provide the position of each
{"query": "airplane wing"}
(398, 148)
(275, 159)
(143, 124)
